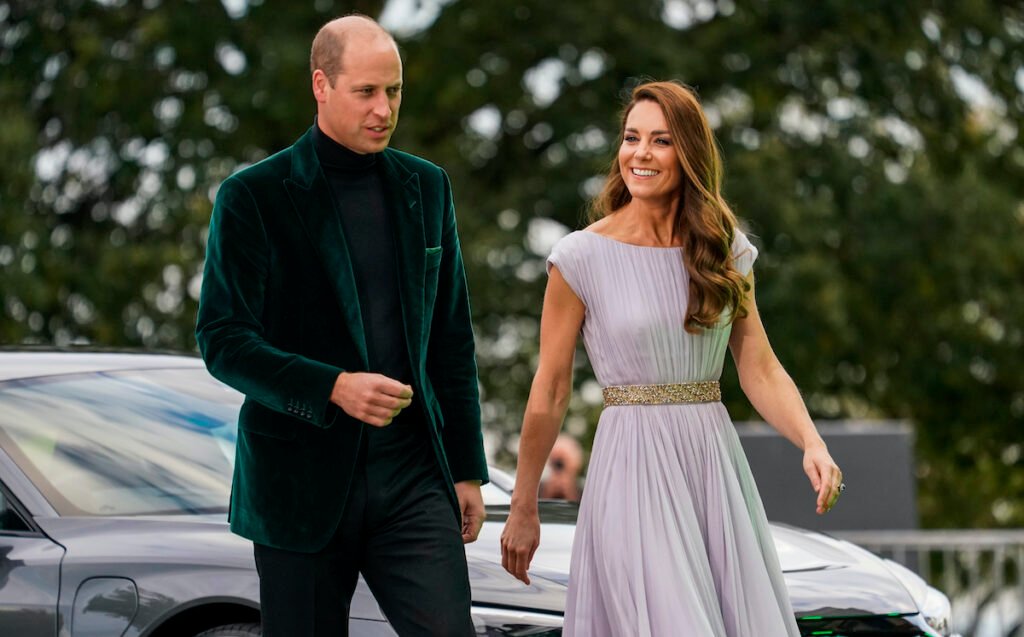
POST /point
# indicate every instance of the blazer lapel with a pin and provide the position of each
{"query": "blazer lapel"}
(402, 193)
(315, 210)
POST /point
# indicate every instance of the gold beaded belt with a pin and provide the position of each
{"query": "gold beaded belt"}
(707, 391)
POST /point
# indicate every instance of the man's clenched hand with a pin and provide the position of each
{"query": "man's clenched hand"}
(371, 398)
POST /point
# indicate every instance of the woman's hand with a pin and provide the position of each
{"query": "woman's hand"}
(826, 478)
(519, 541)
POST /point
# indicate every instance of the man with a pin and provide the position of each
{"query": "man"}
(334, 298)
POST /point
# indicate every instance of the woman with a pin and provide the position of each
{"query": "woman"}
(672, 537)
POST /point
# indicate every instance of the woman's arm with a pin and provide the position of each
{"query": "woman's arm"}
(775, 397)
(561, 319)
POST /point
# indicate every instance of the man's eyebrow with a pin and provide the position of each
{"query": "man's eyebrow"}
(360, 87)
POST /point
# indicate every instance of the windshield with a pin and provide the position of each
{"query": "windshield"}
(141, 442)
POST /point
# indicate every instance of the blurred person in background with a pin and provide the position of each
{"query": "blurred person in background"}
(561, 478)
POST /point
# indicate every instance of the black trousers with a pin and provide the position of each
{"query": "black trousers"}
(398, 530)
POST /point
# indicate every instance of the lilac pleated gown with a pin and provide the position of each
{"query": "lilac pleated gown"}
(672, 537)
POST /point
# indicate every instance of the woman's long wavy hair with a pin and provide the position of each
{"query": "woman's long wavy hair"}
(704, 221)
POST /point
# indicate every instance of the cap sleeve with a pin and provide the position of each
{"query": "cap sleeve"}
(743, 253)
(566, 255)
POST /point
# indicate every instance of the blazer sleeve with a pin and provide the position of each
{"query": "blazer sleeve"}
(451, 356)
(229, 331)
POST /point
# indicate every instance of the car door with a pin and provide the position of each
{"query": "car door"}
(29, 573)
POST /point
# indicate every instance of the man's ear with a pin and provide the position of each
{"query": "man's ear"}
(320, 85)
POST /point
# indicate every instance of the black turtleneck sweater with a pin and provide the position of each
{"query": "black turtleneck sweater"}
(368, 227)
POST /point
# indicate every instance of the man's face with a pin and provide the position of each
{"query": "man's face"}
(360, 111)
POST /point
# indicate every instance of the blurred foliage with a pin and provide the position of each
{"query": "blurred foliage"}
(872, 147)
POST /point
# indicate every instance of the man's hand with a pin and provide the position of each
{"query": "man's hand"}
(471, 504)
(519, 542)
(372, 398)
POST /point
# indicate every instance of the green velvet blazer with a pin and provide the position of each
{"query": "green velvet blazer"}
(279, 319)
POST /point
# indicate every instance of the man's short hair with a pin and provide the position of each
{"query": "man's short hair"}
(329, 45)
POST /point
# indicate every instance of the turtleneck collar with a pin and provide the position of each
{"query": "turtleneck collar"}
(336, 157)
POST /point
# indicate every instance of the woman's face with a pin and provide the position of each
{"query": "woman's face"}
(647, 156)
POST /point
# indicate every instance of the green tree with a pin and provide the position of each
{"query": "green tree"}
(122, 118)
(871, 147)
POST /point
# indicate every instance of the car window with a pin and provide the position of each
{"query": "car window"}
(495, 496)
(124, 443)
(10, 520)
(498, 492)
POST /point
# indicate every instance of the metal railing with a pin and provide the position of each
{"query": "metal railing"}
(982, 572)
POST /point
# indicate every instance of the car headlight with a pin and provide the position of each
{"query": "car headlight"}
(515, 623)
(933, 603)
(937, 612)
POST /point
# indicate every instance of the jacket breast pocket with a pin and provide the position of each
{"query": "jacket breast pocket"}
(430, 275)
(257, 419)
(432, 258)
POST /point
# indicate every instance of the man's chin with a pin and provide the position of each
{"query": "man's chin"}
(375, 146)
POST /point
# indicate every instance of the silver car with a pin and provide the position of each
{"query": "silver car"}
(114, 477)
